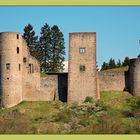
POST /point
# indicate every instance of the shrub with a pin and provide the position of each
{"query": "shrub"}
(134, 103)
(88, 99)
(64, 116)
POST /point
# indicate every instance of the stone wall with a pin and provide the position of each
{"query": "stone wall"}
(49, 87)
(112, 80)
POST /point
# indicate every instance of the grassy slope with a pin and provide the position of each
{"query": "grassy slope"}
(118, 69)
(114, 113)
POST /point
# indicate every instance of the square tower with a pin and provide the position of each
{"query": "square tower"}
(82, 74)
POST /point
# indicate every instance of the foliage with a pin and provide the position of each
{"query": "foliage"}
(111, 64)
(57, 50)
(31, 40)
(88, 99)
(45, 47)
(138, 56)
(49, 50)
(119, 64)
(115, 113)
(126, 61)
(105, 66)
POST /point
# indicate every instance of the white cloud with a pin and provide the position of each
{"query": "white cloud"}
(65, 66)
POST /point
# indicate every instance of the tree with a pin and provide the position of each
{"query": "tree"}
(45, 43)
(31, 39)
(105, 66)
(112, 63)
(139, 56)
(119, 64)
(126, 61)
(57, 50)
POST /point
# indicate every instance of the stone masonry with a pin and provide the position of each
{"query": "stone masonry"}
(20, 73)
(82, 74)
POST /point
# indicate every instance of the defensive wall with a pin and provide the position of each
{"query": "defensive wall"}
(20, 73)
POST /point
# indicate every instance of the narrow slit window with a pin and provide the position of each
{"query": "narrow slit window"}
(8, 66)
(30, 68)
(19, 67)
(17, 36)
(17, 50)
(82, 50)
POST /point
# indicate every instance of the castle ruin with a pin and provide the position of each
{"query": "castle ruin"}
(20, 73)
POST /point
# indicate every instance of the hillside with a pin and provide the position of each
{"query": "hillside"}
(123, 68)
(116, 112)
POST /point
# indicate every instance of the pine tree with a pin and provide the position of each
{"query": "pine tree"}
(45, 43)
(139, 56)
(105, 66)
(57, 50)
(112, 63)
(31, 40)
(119, 64)
(126, 61)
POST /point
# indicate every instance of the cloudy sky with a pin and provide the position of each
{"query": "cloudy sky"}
(117, 28)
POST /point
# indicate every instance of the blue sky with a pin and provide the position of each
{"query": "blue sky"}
(117, 28)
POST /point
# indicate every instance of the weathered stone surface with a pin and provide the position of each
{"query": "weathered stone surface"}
(112, 80)
(134, 76)
(82, 83)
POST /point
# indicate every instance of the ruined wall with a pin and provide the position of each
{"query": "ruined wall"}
(112, 80)
(49, 87)
(19, 71)
(82, 81)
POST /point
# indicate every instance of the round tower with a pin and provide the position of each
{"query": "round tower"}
(134, 76)
(10, 68)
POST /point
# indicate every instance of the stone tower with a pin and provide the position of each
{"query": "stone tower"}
(10, 68)
(82, 75)
(134, 76)
(19, 71)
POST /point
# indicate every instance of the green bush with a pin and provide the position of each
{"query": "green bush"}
(88, 99)
(134, 103)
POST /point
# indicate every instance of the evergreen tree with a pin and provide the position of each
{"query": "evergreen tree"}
(119, 64)
(112, 63)
(31, 40)
(45, 42)
(139, 56)
(126, 61)
(57, 50)
(105, 66)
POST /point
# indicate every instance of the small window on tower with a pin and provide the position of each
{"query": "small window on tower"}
(17, 36)
(8, 66)
(24, 59)
(17, 50)
(82, 50)
(82, 68)
(19, 67)
(30, 68)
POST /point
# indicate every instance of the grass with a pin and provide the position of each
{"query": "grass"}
(123, 68)
(115, 113)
